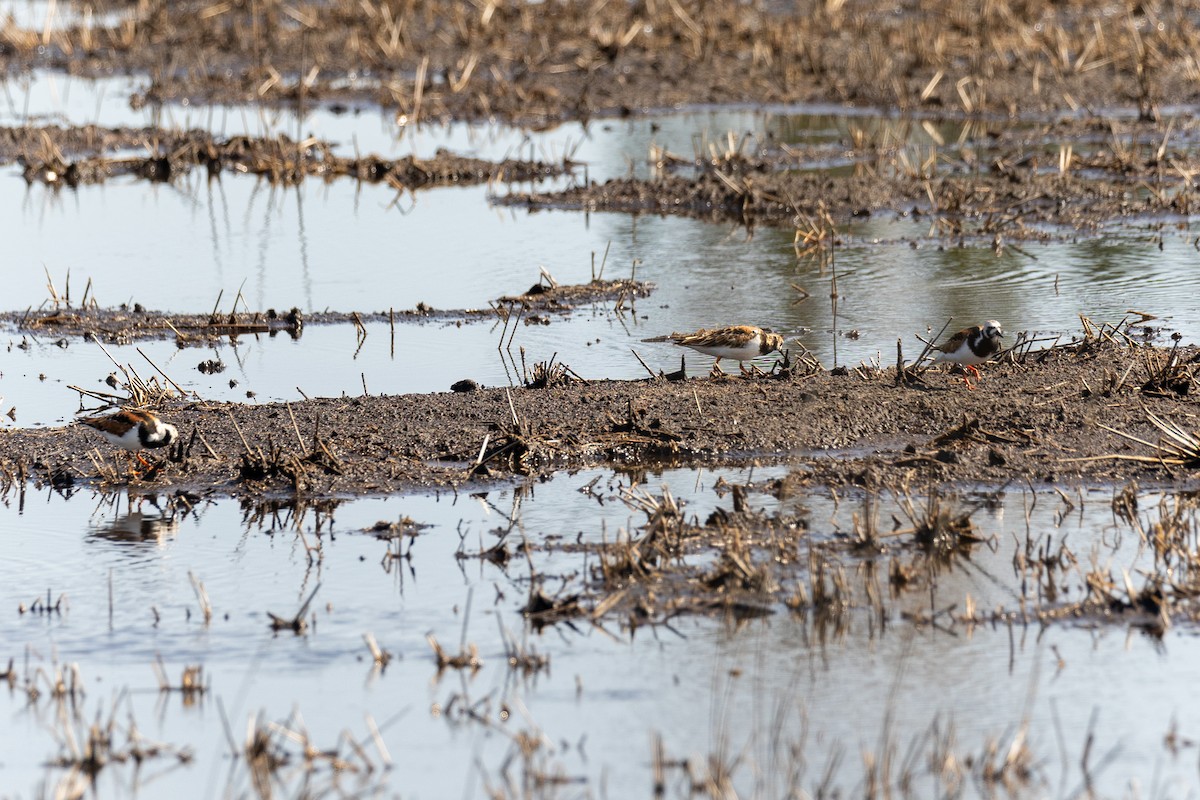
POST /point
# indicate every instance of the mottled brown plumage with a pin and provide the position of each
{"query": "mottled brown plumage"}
(739, 342)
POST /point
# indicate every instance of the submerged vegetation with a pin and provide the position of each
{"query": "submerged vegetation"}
(868, 564)
(876, 551)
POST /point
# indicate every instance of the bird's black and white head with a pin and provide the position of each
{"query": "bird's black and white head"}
(992, 330)
(161, 435)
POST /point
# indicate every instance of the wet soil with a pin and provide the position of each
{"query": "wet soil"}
(54, 155)
(1043, 419)
(126, 324)
(1006, 183)
(1066, 109)
(543, 62)
(1018, 183)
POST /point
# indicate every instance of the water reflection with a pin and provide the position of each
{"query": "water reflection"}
(900, 643)
(349, 247)
(135, 527)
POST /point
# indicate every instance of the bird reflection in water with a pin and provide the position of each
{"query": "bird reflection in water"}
(135, 523)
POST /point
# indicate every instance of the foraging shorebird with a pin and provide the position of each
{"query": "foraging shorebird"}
(739, 342)
(971, 346)
(133, 430)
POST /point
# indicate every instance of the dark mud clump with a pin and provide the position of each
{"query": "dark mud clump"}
(1091, 412)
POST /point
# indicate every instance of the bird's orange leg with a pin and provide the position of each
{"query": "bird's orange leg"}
(716, 371)
(129, 464)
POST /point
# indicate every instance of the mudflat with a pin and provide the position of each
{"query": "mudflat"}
(1095, 411)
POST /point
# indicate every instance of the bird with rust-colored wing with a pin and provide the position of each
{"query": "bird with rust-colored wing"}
(971, 346)
(132, 429)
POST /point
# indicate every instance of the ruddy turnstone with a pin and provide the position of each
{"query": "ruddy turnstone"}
(133, 429)
(972, 346)
(739, 342)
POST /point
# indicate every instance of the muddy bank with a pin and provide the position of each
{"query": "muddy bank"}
(1044, 418)
(996, 183)
(125, 324)
(54, 155)
(1004, 191)
(538, 62)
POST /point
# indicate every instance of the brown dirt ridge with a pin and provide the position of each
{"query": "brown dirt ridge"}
(72, 156)
(544, 62)
(1091, 412)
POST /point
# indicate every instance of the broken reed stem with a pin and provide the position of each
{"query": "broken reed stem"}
(102, 396)
(125, 372)
(603, 261)
(377, 738)
(295, 427)
(381, 656)
(166, 377)
(929, 344)
(482, 449)
(160, 672)
(202, 596)
(212, 453)
(512, 408)
(513, 335)
(643, 363)
(233, 311)
(566, 368)
(833, 299)
(297, 623)
(419, 91)
(241, 435)
(179, 337)
(308, 602)
(105, 472)
(50, 286)
(899, 360)
(506, 314)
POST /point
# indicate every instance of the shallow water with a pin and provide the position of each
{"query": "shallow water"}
(750, 691)
(339, 247)
(754, 688)
(48, 15)
(345, 246)
(608, 148)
